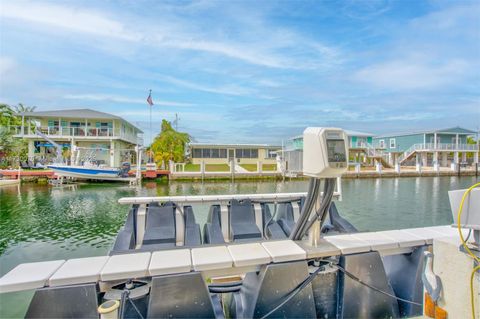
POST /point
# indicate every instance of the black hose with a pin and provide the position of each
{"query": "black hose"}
(306, 209)
(321, 214)
(224, 290)
(226, 284)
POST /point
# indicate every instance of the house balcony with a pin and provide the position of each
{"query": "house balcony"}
(69, 132)
(432, 147)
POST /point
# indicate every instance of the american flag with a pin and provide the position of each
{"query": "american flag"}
(149, 99)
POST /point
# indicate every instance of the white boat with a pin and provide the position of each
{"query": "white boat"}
(92, 172)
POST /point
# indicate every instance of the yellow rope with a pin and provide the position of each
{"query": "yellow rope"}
(465, 246)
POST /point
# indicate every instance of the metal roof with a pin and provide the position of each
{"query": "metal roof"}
(77, 113)
(348, 132)
(452, 130)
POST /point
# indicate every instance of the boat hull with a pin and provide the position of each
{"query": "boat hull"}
(108, 174)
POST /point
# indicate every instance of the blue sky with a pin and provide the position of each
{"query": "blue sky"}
(248, 71)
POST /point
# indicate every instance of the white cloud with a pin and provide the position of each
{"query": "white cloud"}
(80, 20)
(230, 89)
(268, 51)
(121, 99)
(411, 74)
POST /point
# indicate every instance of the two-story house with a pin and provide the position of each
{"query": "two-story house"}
(429, 146)
(81, 133)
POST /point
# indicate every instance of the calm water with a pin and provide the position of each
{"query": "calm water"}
(44, 223)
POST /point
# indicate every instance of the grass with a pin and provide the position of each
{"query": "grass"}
(217, 168)
(269, 167)
(192, 167)
(249, 167)
(208, 168)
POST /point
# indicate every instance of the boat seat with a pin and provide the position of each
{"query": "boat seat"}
(212, 230)
(182, 296)
(273, 229)
(193, 235)
(242, 221)
(285, 217)
(255, 298)
(160, 225)
(126, 236)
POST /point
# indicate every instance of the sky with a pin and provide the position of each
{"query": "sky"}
(248, 71)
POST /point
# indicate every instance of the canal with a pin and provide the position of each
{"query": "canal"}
(40, 222)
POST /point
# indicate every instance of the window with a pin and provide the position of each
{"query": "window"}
(381, 143)
(209, 153)
(270, 153)
(392, 143)
(246, 153)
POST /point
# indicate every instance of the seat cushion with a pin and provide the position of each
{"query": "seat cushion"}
(159, 235)
(245, 231)
(212, 234)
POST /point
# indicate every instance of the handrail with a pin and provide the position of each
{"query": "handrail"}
(212, 198)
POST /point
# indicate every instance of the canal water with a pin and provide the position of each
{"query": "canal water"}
(40, 222)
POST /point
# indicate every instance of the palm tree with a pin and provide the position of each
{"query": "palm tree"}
(20, 108)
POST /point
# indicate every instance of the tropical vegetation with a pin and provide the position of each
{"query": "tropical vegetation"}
(169, 145)
(12, 150)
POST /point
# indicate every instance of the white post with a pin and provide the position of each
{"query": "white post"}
(73, 150)
(464, 157)
(444, 159)
(456, 142)
(397, 167)
(86, 127)
(378, 167)
(455, 161)
(435, 140)
(112, 154)
(418, 164)
(436, 165)
(259, 167)
(475, 157)
(23, 124)
(424, 159)
(138, 174)
(357, 167)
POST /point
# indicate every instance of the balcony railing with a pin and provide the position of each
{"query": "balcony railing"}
(70, 131)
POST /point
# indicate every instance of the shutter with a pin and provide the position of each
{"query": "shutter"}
(64, 124)
(369, 140)
(110, 124)
(354, 141)
(97, 124)
(51, 123)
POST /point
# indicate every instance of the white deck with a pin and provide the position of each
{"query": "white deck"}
(213, 258)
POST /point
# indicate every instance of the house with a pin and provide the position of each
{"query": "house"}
(241, 154)
(428, 146)
(105, 138)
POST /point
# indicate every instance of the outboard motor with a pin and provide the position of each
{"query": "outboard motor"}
(124, 170)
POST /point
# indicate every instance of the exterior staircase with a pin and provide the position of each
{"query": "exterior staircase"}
(377, 154)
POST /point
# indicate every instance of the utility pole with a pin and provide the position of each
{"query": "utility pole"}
(176, 121)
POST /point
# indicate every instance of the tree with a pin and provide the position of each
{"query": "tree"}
(20, 108)
(11, 148)
(169, 145)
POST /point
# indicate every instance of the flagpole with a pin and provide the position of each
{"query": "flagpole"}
(151, 133)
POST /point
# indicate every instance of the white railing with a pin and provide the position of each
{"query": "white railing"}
(71, 131)
(374, 152)
(437, 147)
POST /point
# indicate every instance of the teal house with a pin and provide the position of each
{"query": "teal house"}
(428, 147)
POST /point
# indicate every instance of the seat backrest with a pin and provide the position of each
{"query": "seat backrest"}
(285, 211)
(160, 216)
(241, 212)
(280, 278)
(180, 296)
(189, 216)
(214, 215)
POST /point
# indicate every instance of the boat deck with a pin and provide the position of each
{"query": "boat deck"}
(219, 260)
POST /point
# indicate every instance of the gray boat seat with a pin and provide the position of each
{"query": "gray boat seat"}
(182, 296)
(212, 230)
(193, 235)
(126, 236)
(255, 298)
(242, 221)
(160, 225)
(273, 229)
(285, 217)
